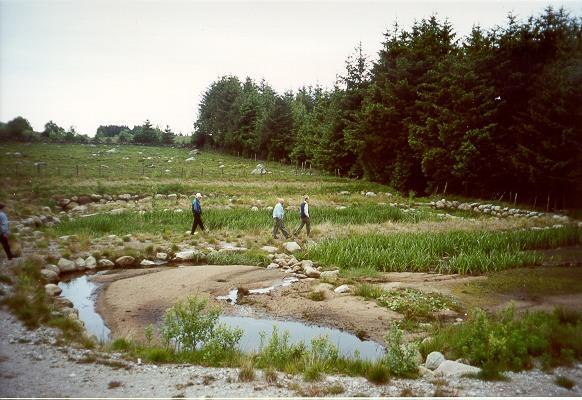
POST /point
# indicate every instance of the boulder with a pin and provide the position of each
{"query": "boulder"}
(272, 266)
(49, 276)
(291, 246)
(82, 200)
(342, 289)
(259, 170)
(311, 272)
(52, 290)
(269, 249)
(66, 265)
(105, 263)
(186, 255)
(125, 196)
(254, 208)
(162, 256)
(147, 263)
(125, 262)
(90, 262)
(370, 194)
(329, 275)
(52, 267)
(453, 368)
(80, 263)
(433, 360)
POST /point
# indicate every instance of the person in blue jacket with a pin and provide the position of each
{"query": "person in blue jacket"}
(4, 232)
(278, 214)
(197, 212)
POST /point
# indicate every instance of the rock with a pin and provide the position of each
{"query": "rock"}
(162, 256)
(254, 208)
(291, 246)
(66, 265)
(272, 266)
(52, 290)
(52, 267)
(117, 211)
(82, 200)
(370, 194)
(72, 205)
(46, 210)
(433, 360)
(125, 261)
(96, 197)
(311, 272)
(342, 289)
(90, 262)
(172, 196)
(269, 249)
(105, 263)
(453, 368)
(344, 193)
(259, 170)
(146, 263)
(80, 263)
(329, 275)
(49, 276)
(125, 196)
(301, 276)
(186, 255)
(423, 371)
(191, 159)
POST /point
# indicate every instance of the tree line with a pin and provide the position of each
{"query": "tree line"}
(496, 112)
(20, 130)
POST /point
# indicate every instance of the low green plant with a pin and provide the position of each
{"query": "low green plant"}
(121, 344)
(378, 373)
(506, 341)
(400, 358)
(246, 372)
(317, 295)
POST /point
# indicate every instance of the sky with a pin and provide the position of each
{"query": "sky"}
(87, 63)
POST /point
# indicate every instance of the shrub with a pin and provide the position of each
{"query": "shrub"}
(400, 358)
(247, 372)
(378, 373)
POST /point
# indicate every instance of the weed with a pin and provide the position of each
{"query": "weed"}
(407, 392)
(114, 384)
(564, 382)
(246, 372)
(121, 344)
(318, 295)
(400, 358)
(335, 389)
(270, 375)
(378, 373)
(313, 373)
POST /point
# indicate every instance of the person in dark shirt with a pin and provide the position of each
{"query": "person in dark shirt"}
(304, 216)
(197, 212)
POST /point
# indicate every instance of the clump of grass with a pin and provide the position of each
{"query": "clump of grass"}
(335, 389)
(444, 252)
(317, 295)
(246, 372)
(506, 342)
(270, 375)
(313, 373)
(564, 382)
(114, 384)
(378, 374)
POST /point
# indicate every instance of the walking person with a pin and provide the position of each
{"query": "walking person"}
(278, 214)
(4, 232)
(197, 213)
(304, 216)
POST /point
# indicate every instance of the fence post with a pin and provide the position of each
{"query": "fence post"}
(445, 189)
(515, 199)
(548, 204)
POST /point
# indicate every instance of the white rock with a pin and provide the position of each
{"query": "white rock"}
(254, 208)
(125, 261)
(117, 211)
(329, 275)
(80, 263)
(269, 249)
(453, 368)
(272, 266)
(66, 265)
(433, 360)
(342, 289)
(52, 267)
(52, 290)
(49, 276)
(90, 262)
(146, 263)
(370, 194)
(291, 246)
(186, 255)
(162, 256)
(310, 271)
(105, 263)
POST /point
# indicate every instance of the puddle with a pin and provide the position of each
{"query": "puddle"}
(81, 291)
(232, 296)
(300, 332)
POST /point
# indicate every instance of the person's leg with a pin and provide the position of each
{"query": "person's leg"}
(308, 226)
(6, 246)
(282, 228)
(275, 227)
(194, 224)
(300, 227)
(201, 223)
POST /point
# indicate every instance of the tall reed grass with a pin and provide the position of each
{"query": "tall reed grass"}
(444, 252)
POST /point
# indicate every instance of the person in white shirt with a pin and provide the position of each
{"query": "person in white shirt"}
(278, 214)
(304, 216)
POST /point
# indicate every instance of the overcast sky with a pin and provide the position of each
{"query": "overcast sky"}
(87, 63)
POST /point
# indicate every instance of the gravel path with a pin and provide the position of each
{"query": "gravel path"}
(33, 365)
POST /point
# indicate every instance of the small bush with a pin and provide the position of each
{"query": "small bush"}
(378, 373)
(400, 358)
(121, 344)
(313, 373)
(317, 295)
(157, 354)
(246, 373)
(270, 376)
(335, 389)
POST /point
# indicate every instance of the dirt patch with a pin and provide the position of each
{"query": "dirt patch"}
(132, 300)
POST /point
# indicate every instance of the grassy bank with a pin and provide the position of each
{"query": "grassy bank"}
(158, 222)
(444, 252)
